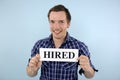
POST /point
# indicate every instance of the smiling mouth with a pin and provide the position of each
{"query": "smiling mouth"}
(57, 32)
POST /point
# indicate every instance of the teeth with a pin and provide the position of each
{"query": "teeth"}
(57, 32)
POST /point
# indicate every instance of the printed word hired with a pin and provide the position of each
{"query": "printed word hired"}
(60, 55)
(55, 54)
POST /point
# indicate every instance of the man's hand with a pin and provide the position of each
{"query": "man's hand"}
(34, 65)
(85, 65)
(35, 62)
(84, 62)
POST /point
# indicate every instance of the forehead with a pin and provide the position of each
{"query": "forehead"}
(60, 15)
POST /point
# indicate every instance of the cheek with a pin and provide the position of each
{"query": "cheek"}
(64, 28)
(50, 28)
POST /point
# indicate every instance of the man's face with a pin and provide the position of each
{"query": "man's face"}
(58, 24)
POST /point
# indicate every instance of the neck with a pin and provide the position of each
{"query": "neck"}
(58, 42)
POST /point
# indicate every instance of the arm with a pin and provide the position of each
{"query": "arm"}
(89, 72)
(33, 66)
(85, 65)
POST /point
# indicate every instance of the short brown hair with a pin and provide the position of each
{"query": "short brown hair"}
(60, 8)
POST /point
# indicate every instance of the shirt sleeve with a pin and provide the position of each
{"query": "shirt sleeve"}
(35, 49)
(84, 51)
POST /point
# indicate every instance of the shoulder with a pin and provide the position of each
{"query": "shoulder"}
(83, 48)
(42, 41)
(37, 45)
(78, 42)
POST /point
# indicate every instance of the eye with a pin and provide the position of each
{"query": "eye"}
(51, 21)
(61, 21)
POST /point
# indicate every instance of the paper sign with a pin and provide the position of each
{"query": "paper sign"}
(57, 54)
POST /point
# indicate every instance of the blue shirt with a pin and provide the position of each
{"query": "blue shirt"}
(53, 70)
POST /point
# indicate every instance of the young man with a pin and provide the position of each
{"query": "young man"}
(59, 20)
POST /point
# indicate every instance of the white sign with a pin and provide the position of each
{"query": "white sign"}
(57, 54)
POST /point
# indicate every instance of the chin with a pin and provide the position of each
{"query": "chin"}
(57, 37)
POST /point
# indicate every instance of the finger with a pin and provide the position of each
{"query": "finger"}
(81, 56)
(84, 61)
(83, 67)
(85, 58)
(39, 63)
(38, 56)
(34, 61)
(78, 58)
(31, 64)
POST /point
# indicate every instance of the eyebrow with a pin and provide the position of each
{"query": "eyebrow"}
(56, 20)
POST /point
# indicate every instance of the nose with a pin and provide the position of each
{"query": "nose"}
(56, 26)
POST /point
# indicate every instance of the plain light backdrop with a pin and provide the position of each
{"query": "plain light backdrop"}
(94, 22)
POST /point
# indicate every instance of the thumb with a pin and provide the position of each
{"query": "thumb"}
(38, 56)
(39, 63)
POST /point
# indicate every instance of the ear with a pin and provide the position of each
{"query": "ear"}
(68, 25)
